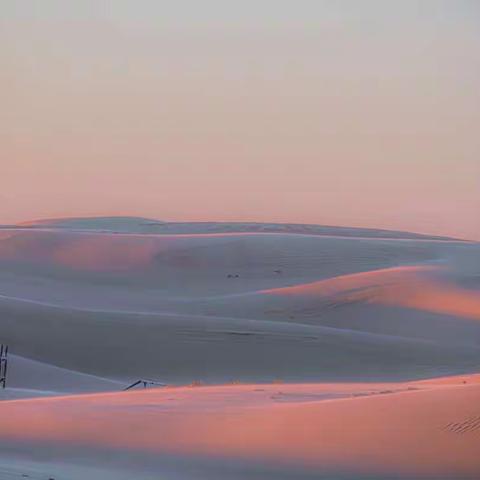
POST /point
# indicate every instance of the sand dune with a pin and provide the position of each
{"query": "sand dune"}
(29, 378)
(93, 305)
(402, 286)
(381, 431)
(173, 307)
(148, 225)
(183, 348)
(300, 254)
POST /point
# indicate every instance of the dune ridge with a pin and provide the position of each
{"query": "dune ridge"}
(124, 224)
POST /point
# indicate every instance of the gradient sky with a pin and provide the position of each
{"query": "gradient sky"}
(349, 112)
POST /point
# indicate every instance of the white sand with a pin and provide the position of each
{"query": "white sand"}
(85, 309)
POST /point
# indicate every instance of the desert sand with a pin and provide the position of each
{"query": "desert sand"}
(289, 351)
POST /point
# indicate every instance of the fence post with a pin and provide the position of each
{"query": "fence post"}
(3, 365)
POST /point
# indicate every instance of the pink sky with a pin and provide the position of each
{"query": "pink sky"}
(362, 114)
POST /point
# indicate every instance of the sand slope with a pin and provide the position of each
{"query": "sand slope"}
(29, 378)
(183, 348)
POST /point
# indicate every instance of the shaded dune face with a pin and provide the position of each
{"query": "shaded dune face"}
(185, 348)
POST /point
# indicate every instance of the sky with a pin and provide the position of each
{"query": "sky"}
(340, 112)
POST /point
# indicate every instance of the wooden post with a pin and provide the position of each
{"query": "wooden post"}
(3, 365)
